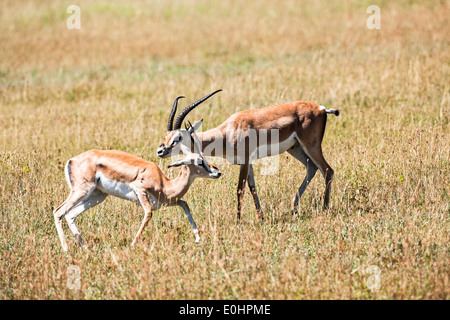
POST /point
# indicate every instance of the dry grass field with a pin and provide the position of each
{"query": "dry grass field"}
(110, 85)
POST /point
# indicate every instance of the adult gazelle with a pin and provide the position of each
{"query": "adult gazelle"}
(296, 127)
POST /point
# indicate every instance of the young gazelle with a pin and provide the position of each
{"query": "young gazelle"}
(297, 127)
(95, 174)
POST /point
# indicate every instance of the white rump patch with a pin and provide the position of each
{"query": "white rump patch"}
(322, 108)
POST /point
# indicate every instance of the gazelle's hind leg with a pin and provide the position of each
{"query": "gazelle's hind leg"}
(311, 169)
(91, 201)
(314, 152)
(57, 214)
(74, 198)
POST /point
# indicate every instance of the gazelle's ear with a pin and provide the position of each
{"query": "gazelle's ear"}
(180, 163)
(198, 124)
(195, 126)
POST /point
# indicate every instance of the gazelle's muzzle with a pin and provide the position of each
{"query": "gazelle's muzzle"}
(215, 174)
(162, 151)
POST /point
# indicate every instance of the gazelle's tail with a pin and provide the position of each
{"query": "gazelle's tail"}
(68, 173)
(333, 111)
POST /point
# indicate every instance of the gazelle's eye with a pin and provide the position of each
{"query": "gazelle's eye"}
(174, 142)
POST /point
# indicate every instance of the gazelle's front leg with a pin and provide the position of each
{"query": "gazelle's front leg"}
(252, 187)
(143, 200)
(185, 207)
(243, 175)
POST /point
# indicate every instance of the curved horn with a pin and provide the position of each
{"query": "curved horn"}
(172, 113)
(189, 108)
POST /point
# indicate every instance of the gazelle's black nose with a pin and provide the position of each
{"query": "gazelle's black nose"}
(216, 174)
(161, 152)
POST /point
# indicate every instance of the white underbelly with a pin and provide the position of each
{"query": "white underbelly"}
(238, 157)
(275, 149)
(122, 190)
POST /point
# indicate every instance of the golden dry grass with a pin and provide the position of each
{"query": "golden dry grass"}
(110, 85)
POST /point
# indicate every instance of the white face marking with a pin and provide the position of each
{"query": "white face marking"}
(176, 136)
(118, 189)
(322, 108)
